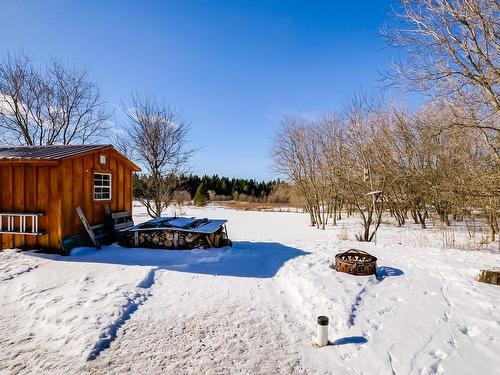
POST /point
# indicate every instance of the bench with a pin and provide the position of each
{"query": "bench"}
(98, 233)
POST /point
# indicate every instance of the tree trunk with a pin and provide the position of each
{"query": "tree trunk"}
(421, 218)
(311, 217)
(447, 219)
(414, 216)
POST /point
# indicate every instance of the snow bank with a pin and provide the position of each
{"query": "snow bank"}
(57, 308)
(251, 309)
(424, 313)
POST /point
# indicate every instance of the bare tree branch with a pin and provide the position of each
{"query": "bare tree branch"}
(157, 138)
(49, 105)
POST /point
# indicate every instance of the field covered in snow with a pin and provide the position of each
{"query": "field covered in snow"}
(251, 309)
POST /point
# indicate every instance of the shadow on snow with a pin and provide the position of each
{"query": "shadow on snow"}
(354, 340)
(244, 259)
(383, 272)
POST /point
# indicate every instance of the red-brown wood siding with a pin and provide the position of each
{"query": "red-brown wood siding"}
(57, 190)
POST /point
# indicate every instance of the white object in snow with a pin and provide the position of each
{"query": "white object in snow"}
(322, 331)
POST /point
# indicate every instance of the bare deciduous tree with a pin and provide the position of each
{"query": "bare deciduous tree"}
(452, 51)
(326, 160)
(442, 160)
(49, 105)
(157, 139)
(453, 48)
(415, 169)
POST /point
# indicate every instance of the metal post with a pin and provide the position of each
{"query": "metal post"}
(322, 331)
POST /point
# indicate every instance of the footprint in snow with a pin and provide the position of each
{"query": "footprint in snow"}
(470, 331)
(397, 299)
(436, 368)
(438, 354)
(384, 311)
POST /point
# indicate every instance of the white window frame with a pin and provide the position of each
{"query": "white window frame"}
(102, 186)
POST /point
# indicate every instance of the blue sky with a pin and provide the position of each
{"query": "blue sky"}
(234, 68)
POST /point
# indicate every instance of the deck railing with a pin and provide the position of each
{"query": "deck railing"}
(21, 218)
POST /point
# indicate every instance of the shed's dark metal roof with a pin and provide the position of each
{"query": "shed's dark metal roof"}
(54, 152)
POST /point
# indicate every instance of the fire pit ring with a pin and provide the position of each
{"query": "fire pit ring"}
(355, 262)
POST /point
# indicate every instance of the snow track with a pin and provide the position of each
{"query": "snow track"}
(251, 309)
(412, 315)
(14, 265)
(59, 309)
(238, 332)
(130, 307)
(355, 307)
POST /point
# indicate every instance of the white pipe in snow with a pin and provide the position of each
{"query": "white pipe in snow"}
(322, 331)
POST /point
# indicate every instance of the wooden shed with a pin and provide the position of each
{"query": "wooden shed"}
(41, 186)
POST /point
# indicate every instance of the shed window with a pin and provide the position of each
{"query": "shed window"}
(102, 186)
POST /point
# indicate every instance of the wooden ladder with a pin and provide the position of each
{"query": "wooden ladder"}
(96, 232)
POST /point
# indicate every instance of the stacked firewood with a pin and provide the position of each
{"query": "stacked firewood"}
(169, 239)
(174, 239)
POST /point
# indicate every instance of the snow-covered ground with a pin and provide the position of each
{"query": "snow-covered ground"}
(251, 309)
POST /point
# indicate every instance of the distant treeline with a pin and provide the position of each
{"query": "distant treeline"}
(214, 188)
(224, 188)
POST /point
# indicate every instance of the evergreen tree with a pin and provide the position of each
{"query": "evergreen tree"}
(201, 196)
(222, 186)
